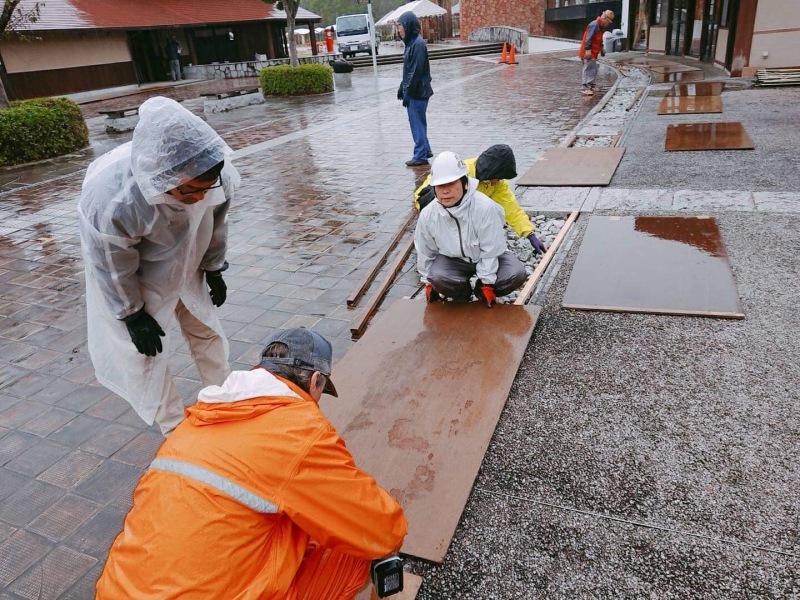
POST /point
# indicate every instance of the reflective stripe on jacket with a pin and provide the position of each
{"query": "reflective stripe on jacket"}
(501, 193)
(236, 494)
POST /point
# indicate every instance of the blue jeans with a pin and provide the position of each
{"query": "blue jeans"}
(175, 70)
(417, 107)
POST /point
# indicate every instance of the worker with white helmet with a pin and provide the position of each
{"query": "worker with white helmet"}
(460, 235)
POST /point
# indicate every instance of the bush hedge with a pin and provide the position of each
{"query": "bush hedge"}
(285, 80)
(40, 128)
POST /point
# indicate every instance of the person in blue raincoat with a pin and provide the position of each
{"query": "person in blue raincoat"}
(415, 89)
(153, 225)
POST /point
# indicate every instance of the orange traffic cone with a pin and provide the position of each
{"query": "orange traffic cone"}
(512, 58)
(503, 55)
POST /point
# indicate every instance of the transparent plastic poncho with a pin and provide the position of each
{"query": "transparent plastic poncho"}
(170, 144)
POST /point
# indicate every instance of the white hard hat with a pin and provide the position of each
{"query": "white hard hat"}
(447, 167)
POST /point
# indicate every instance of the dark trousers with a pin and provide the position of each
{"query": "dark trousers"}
(450, 276)
(418, 120)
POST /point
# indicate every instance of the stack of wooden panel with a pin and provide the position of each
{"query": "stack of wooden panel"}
(778, 76)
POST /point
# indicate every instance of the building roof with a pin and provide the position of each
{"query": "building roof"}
(145, 14)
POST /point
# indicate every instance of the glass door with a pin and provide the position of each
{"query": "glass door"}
(680, 26)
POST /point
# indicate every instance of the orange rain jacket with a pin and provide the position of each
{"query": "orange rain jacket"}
(594, 31)
(287, 479)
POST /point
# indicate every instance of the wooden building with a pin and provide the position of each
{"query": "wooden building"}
(83, 45)
(738, 35)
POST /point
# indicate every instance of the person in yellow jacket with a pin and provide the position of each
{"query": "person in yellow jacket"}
(492, 169)
(254, 495)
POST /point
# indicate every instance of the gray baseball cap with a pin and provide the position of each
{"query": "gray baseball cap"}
(307, 350)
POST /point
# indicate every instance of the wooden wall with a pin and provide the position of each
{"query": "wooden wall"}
(34, 84)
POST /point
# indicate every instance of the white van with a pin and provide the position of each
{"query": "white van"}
(353, 35)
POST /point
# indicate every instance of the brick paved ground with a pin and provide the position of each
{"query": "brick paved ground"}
(324, 188)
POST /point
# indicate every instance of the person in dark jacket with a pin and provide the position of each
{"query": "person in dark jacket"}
(415, 88)
(173, 52)
(591, 46)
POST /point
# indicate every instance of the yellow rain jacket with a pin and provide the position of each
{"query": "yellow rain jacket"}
(230, 505)
(500, 193)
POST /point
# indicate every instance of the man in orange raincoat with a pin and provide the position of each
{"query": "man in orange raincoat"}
(254, 495)
(591, 46)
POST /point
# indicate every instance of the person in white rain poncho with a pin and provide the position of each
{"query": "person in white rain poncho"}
(153, 223)
(460, 236)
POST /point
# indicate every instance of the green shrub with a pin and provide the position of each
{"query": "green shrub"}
(284, 80)
(40, 128)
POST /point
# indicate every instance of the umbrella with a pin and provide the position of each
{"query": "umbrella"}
(421, 8)
(301, 31)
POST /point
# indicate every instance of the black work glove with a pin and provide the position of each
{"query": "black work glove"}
(145, 332)
(536, 243)
(217, 287)
(400, 93)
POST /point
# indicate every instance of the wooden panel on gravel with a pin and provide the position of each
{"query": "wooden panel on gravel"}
(411, 585)
(726, 135)
(573, 167)
(419, 399)
(677, 76)
(698, 88)
(646, 61)
(690, 105)
(653, 264)
(673, 68)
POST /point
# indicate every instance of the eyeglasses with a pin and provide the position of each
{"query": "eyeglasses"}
(188, 190)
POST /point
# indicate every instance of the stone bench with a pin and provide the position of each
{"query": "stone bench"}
(223, 101)
(121, 119)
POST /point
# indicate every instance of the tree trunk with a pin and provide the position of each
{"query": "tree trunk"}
(4, 103)
(290, 6)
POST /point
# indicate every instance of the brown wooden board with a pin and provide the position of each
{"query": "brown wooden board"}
(573, 167)
(690, 105)
(419, 399)
(411, 585)
(673, 68)
(653, 264)
(697, 88)
(679, 76)
(726, 135)
(527, 289)
(646, 61)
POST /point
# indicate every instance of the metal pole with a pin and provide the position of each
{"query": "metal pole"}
(372, 38)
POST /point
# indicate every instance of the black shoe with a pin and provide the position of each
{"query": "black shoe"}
(430, 154)
(416, 163)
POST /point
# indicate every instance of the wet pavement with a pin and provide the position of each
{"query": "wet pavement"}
(324, 189)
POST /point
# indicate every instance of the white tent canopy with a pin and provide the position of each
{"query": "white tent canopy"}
(421, 8)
